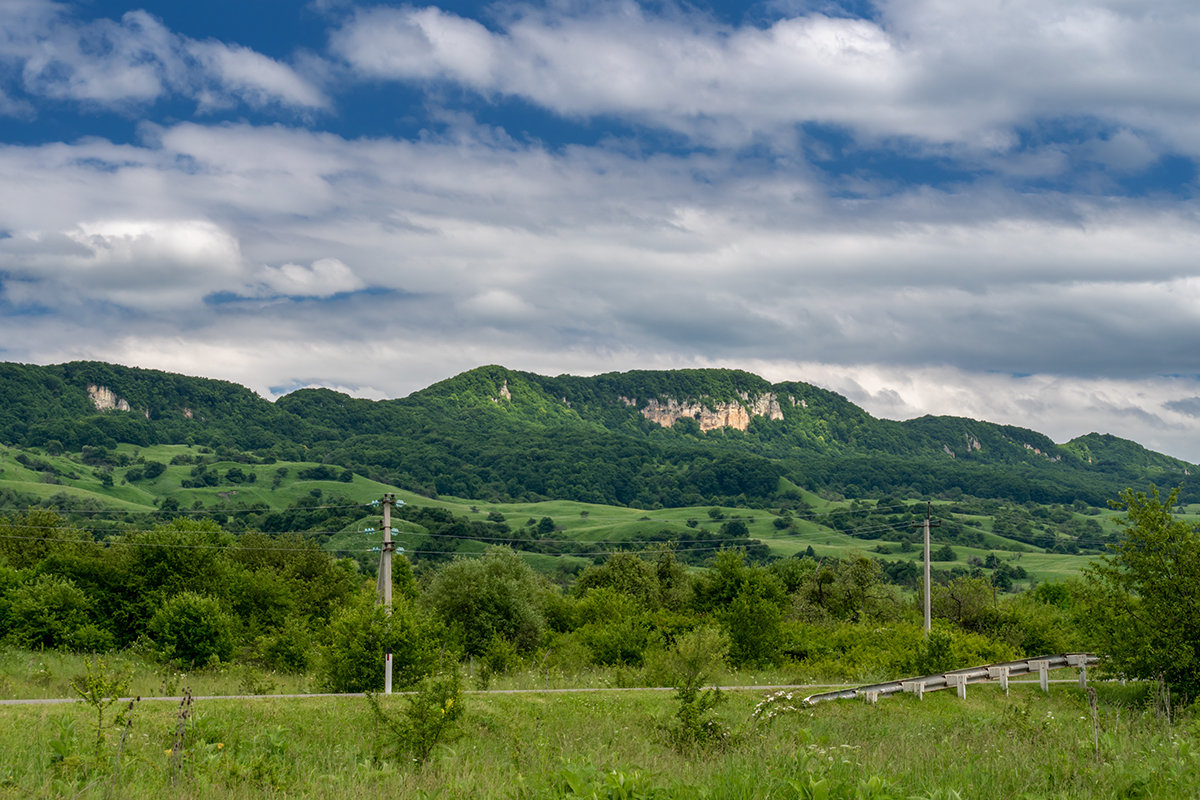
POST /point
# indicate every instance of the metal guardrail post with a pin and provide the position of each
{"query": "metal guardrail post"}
(1080, 662)
(1000, 673)
(1043, 668)
(960, 678)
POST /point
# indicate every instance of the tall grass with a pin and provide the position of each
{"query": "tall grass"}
(30, 674)
(611, 745)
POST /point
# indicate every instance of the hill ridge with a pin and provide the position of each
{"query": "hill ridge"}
(642, 437)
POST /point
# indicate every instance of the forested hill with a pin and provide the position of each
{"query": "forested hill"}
(680, 437)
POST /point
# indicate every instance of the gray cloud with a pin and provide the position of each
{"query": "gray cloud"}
(599, 244)
(1188, 406)
(279, 256)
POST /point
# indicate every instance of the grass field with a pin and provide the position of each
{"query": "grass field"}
(277, 485)
(611, 744)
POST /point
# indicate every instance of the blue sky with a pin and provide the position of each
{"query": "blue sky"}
(985, 209)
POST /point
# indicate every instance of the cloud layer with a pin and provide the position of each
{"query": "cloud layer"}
(983, 209)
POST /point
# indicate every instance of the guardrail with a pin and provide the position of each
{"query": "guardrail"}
(959, 678)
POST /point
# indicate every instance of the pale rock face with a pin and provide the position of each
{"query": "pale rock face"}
(721, 415)
(105, 399)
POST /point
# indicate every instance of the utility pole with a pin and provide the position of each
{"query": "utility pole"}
(384, 583)
(927, 524)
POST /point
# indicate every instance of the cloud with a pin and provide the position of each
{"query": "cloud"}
(929, 72)
(149, 265)
(593, 247)
(1188, 406)
(254, 78)
(326, 277)
(497, 306)
(136, 61)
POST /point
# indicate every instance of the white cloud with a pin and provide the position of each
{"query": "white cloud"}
(497, 306)
(485, 250)
(150, 265)
(425, 42)
(941, 73)
(104, 62)
(326, 277)
(136, 61)
(255, 78)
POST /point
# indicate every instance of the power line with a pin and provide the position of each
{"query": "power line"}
(316, 548)
(183, 511)
(781, 537)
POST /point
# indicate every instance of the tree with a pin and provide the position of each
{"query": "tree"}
(1143, 598)
(496, 595)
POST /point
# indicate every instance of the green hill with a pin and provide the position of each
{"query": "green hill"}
(643, 439)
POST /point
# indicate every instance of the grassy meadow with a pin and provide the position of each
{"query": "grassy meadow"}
(615, 744)
(278, 485)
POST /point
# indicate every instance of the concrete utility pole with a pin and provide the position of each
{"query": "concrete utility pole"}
(927, 524)
(384, 583)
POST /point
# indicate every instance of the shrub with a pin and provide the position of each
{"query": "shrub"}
(497, 595)
(351, 657)
(753, 620)
(192, 630)
(430, 717)
(49, 612)
(693, 659)
(287, 649)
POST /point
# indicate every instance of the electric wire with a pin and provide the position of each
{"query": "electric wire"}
(316, 548)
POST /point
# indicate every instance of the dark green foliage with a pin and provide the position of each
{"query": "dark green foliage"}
(288, 649)
(191, 630)
(626, 574)
(615, 629)
(351, 658)
(1143, 599)
(846, 589)
(496, 595)
(51, 611)
(748, 601)
(500, 434)
(943, 553)
(933, 654)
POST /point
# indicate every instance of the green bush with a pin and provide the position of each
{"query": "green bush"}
(192, 630)
(351, 659)
(616, 629)
(753, 620)
(693, 659)
(430, 717)
(497, 595)
(51, 612)
(287, 649)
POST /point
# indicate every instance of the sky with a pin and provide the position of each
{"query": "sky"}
(985, 208)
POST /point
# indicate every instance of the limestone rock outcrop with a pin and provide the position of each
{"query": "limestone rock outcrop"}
(711, 416)
(105, 399)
